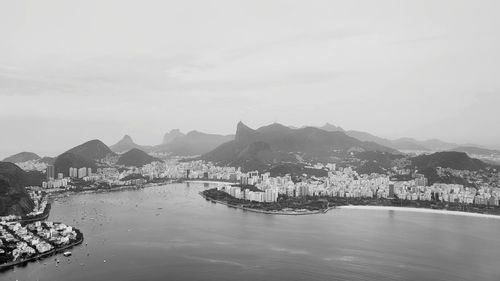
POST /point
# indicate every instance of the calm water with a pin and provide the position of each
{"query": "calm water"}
(171, 233)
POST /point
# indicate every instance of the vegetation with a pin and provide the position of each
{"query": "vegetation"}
(22, 157)
(136, 157)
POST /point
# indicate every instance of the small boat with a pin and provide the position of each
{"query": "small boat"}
(67, 254)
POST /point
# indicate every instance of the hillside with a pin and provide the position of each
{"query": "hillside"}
(66, 160)
(47, 160)
(22, 157)
(296, 170)
(193, 143)
(448, 159)
(259, 149)
(126, 144)
(93, 150)
(13, 196)
(136, 157)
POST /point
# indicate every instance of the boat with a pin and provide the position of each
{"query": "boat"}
(67, 253)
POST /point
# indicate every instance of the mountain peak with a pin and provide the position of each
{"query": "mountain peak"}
(331, 128)
(172, 135)
(243, 131)
(93, 149)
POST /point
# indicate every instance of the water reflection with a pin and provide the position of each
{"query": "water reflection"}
(170, 232)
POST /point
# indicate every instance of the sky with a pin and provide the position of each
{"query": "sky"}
(72, 71)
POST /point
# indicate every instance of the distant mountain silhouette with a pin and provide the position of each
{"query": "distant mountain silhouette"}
(193, 143)
(22, 157)
(259, 149)
(331, 128)
(126, 144)
(67, 160)
(13, 196)
(93, 150)
(399, 144)
(172, 135)
(136, 157)
(472, 150)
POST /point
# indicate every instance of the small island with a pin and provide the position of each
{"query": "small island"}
(21, 244)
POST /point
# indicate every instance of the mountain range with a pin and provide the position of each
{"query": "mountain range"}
(176, 143)
(259, 149)
(399, 144)
(193, 143)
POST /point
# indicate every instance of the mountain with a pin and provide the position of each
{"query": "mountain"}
(472, 150)
(448, 159)
(126, 144)
(67, 160)
(22, 157)
(136, 157)
(14, 198)
(331, 128)
(93, 150)
(193, 143)
(172, 135)
(259, 149)
(427, 164)
(363, 136)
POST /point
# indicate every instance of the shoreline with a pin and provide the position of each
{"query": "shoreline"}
(282, 213)
(209, 181)
(417, 210)
(7, 266)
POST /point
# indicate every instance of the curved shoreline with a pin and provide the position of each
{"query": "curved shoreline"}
(418, 210)
(209, 181)
(282, 213)
(7, 266)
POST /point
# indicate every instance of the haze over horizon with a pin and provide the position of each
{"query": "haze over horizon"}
(70, 72)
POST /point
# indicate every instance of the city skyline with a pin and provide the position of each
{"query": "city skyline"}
(393, 70)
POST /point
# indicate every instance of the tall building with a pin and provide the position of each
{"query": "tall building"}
(51, 172)
(82, 172)
(391, 190)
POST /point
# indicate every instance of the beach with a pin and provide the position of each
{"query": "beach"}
(418, 210)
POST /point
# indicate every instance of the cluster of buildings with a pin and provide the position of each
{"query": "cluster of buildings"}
(20, 242)
(80, 172)
(347, 183)
(268, 195)
(340, 182)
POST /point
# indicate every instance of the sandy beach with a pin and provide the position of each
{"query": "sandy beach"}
(419, 210)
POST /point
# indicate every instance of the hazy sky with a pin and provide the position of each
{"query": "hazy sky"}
(71, 71)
